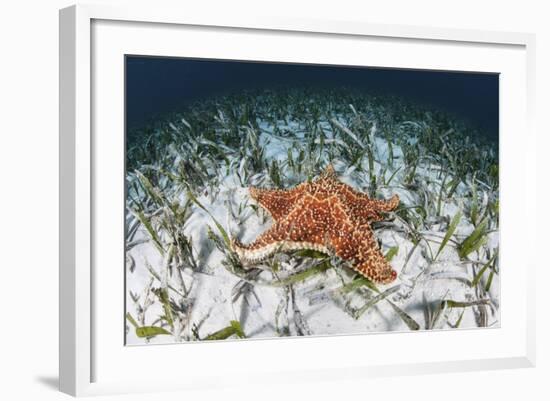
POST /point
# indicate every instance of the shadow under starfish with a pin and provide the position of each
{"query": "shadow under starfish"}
(325, 215)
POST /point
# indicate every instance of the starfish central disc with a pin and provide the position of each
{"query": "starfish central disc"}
(325, 215)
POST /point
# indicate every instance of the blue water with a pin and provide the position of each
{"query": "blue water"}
(156, 86)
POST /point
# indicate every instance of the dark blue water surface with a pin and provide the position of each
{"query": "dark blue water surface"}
(158, 85)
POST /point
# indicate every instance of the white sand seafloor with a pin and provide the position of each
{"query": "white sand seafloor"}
(314, 306)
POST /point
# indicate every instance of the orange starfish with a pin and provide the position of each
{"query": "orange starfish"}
(325, 215)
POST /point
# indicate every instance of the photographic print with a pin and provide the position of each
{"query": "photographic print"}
(268, 200)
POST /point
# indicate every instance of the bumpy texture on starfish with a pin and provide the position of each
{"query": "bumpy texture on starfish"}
(325, 215)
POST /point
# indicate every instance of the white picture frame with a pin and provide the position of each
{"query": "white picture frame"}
(81, 346)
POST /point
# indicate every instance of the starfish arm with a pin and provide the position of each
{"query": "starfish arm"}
(359, 245)
(384, 205)
(278, 202)
(302, 228)
(328, 173)
(264, 246)
(373, 265)
(365, 208)
(381, 205)
(371, 209)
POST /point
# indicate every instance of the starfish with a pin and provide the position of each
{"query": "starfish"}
(325, 215)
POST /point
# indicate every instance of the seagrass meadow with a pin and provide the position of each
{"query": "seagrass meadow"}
(188, 180)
